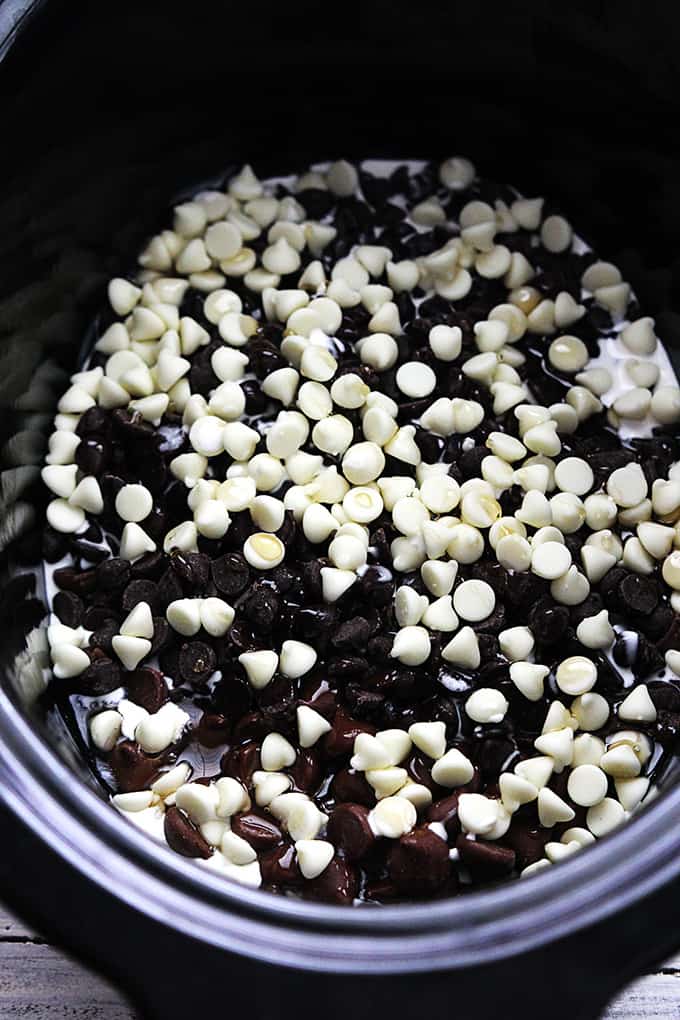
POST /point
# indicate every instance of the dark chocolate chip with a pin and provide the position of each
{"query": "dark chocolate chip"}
(140, 591)
(182, 835)
(230, 574)
(193, 571)
(306, 771)
(527, 840)
(648, 659)
(69, 607)
(81, 582)
(352, 634)
(196, 661)
(213, 729)
(261, 608)
(485, 859)
(548, 622)
(338, 883)
(240, 762)
(113, 574)
(146, 687)
(150, 566)
(133, 769)
(349, 830)
(446, 812)
(168, 589)
(639, 593)
(419, 863)
(671, 638)
(352, 786)
(91, 456)
(101, 677)
(610, 587)
(340, 740)
(54, 545)
(279, 867)
(260, 830)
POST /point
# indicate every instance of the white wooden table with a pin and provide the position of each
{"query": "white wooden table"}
(41, 982)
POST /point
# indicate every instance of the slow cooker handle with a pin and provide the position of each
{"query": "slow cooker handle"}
(573, 978)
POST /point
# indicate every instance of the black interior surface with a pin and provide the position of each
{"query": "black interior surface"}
(109, 109)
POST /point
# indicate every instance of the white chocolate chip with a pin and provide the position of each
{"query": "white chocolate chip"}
(69, 661)
(139, 622)
(158, 731)
(596, 631)
(639, 336)
(429, 737)
(631, 792)
(64, 517)
(379, 351)
(311, 726)
(363, 463)
(260, 666)
(456, 173)
(627, 486)
(216, 616)
(415, 379)
(452, 769)
(576, 675)
(463, 649)
(440, 616)
(552, 809)
(590, 710)
(516, 643)
(673, 660)
(477, 814)
(656, 539)
(445, 342)
(637, 706)
(263, 550)
(313, 856)
(296, 659)
(670, 570)
(568, 354)
(411, 645)
(130, 650)
(486, 705)
(666, 405)
(392, 817)
(528, 678)
(587, 785)
(105, 729)
(276, 753)
(516, 791)
(184, 616)
(550, 560)
(536, 771)
(605, 816)
(474, 600)
(335, 582)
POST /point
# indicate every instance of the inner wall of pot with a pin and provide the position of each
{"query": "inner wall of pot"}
(115, 110)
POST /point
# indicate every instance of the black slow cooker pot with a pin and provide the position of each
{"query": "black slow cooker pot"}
(109, 109)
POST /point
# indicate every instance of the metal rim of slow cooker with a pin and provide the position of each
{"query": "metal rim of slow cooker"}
(480, 927)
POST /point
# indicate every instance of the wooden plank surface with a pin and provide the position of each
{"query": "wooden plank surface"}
(656, 997)
(38, 982)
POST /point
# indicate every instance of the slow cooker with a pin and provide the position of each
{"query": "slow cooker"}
(109, 110)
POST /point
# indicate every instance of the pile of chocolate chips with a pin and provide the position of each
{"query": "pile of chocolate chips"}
(355, 684)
